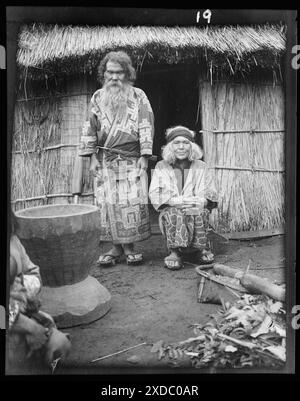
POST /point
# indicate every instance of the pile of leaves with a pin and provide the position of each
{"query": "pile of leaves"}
(248, 333)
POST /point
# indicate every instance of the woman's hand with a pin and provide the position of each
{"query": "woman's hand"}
(187, 202)
(177, 201)
(180, 202)
(196, 200)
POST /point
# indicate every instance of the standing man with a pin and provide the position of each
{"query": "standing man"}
(118, 138)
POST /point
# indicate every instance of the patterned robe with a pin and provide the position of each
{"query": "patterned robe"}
(182, 230)
(24, 299)
(121, 195)
(27, 284)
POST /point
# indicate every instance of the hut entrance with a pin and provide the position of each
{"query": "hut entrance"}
(173, 94)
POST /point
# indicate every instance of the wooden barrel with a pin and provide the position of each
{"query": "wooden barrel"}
(63, 240)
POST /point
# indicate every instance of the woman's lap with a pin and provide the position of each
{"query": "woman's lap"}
(183, 231)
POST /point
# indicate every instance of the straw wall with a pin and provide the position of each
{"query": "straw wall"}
(47, 129)
(248, 166)
(64, 49)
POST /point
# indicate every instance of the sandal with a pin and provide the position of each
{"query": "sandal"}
(108, 260)
(134, 258)
(207, 257)
(173, 263)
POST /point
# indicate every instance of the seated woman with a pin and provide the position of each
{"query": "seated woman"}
(25, 284)
(30, 329)
(182, 190)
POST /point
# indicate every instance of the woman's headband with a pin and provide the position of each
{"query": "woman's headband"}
(180, 131)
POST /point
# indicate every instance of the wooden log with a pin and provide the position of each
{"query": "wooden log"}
(254, 284)
(228, 271)
(259, 285)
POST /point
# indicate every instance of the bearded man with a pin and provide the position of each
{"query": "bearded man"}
(119, 137)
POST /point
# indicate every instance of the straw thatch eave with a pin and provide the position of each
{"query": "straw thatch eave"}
(45, 50)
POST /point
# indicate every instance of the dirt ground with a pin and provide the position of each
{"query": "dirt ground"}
(150, 303)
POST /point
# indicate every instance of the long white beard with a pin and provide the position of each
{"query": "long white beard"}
(115, 98)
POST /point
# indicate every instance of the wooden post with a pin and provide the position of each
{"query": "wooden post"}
(77, 179)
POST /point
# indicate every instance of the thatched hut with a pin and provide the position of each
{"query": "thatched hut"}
(225, 82)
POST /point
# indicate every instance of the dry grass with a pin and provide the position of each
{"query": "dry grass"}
(40, 124)
(65, 49)
(34, 172)
(249, 200)
(36, 126)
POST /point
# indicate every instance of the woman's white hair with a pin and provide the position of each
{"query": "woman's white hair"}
(169, 156)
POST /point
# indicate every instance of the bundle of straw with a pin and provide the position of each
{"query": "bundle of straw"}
(248, 167)
(66, 49)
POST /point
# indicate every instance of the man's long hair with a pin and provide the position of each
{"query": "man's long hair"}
(117, 57)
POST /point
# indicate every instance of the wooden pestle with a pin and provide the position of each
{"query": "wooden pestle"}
(251, 282)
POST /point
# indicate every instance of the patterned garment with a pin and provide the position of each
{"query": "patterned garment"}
(122, 199)
(27, 283)
(133, 132)
(180, 230)
(184, 231)
(121, 195)
(199, 184)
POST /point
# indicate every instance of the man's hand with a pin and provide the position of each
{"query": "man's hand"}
(94, 165)
(13, 269)
(142, 164)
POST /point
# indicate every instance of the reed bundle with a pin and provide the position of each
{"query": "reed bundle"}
(37, 125)
(46, 131)
(66, 49)
(249, 199)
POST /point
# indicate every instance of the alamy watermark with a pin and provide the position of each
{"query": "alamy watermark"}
(296, 59)
(2, 58)
(2, 317)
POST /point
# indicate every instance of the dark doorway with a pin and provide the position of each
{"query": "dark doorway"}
(173, 94)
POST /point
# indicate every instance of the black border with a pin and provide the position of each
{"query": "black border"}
(169, 17)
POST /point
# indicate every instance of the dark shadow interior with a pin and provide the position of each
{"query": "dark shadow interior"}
(173, 94)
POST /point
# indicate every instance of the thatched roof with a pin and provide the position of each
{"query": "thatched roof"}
(47, 49)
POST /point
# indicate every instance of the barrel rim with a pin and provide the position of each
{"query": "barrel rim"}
(92, 208)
